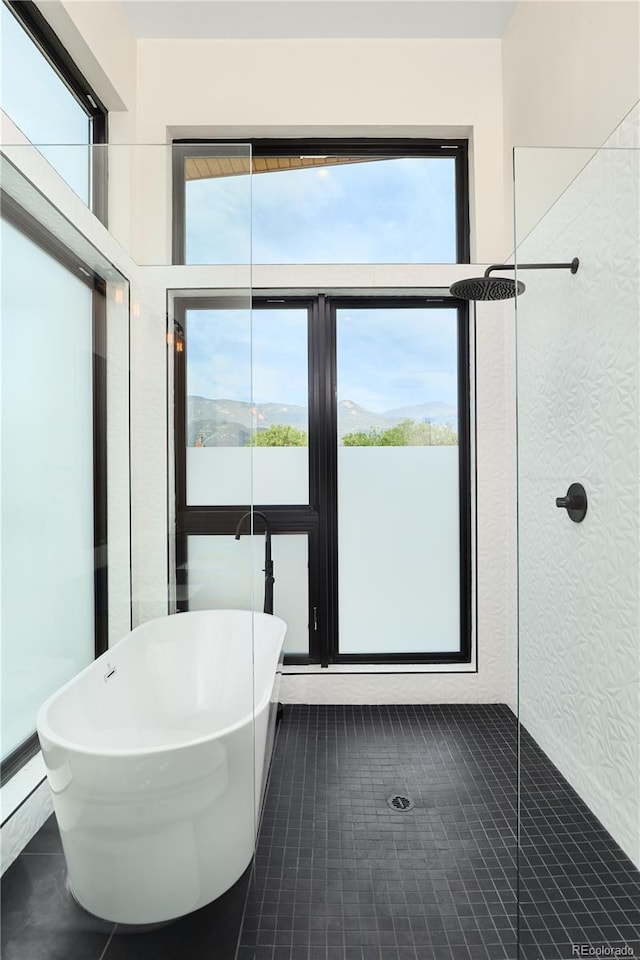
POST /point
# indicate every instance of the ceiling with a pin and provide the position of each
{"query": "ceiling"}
(297, 19)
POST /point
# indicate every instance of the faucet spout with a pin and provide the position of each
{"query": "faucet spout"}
(254, 513)
(269, 579)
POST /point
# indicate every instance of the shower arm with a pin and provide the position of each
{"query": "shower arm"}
(573, 266)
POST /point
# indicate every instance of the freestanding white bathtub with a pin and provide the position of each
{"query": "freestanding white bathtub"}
(156, 755)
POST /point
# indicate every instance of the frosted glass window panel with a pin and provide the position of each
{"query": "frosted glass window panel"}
(226, 476)
(42, 106)
(223, 572)
(399, 557)
(365, 210)
(247, 407)
(47, 481)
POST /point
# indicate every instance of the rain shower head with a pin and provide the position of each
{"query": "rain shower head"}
(486, 288)
(502, 288)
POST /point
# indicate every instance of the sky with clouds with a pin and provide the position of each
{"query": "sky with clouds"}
(390, 358)
(398, 210)
(387, 358)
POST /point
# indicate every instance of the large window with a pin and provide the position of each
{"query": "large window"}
(344, 420)
(47, 97)
(354, 441)
(53, 445)
(324, 202)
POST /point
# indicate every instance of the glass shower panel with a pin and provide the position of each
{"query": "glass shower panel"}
(217, 578)
(578, 373)
(210, 337)
(80, 462)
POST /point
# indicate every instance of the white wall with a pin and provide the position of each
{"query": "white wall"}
(399, 87)
(335, 88)
(96, 33)
(579, 420)
(374, 87)
(571, 73)
(383, 88)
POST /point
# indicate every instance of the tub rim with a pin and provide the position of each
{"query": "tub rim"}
(57, 740)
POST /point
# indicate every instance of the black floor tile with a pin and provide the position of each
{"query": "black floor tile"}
(337, 869)
(47, 839)
(210, 933)
(339, 875)
(420, 884)
(573, 876)
(40, 921)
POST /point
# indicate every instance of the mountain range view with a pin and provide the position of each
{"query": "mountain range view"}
(230, 423)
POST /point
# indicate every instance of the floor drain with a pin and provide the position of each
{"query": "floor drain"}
(400, 803)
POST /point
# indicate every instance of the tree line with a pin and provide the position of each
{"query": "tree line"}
(407, 433)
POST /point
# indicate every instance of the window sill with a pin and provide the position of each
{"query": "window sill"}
(20, 787)
(380, 668)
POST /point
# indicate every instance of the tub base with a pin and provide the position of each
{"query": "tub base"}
(120, 927)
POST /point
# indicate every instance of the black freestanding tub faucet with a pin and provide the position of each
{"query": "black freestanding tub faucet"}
(269, 578)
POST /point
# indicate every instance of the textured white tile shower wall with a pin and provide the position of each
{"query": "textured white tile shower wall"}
(578, 420)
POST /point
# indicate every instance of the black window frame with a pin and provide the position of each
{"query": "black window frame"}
(28, 225)
(318, 519)
(458, 149)
(223, 520)
(53, 50)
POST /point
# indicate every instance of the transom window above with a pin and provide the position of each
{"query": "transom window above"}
(323, 202)
(47, 97)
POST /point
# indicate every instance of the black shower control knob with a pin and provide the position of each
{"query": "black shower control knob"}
(570, 503)
(575, 502)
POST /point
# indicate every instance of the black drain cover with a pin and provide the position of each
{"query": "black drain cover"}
(400, 803)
